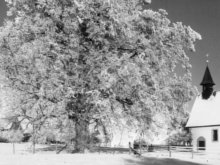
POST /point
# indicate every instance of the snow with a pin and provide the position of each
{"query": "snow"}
(205, 112)
(50, 158)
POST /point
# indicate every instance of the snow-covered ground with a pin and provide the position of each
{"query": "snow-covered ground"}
(23, 156)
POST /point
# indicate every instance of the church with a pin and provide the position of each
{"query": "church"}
(204, 120)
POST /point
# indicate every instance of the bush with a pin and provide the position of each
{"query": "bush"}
(11, 136)
(50, 138)
(95, 140)
(26, 137)
(180, 138)
(3, 140)
(15, 136)
(139, 142)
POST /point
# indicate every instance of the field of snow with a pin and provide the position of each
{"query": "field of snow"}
(23, 156)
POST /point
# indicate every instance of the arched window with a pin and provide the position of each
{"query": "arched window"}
(201, 143)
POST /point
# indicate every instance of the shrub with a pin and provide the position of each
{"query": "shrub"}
(14, 135)
(95, 140)
(180, 138)
(26, 137)
(139, 142)
(50, 138)
(3, 140)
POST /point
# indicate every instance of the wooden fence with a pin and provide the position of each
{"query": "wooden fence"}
(165, 150)
(179, 149)
(150, 148)
(111, 150)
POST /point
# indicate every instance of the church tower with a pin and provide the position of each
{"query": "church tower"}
(207, 84)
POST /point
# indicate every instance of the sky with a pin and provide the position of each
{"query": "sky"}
(204, 17)
(201, 15)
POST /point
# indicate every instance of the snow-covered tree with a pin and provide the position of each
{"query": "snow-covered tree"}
(104, 62)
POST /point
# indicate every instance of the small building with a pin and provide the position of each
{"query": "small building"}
(204, 120)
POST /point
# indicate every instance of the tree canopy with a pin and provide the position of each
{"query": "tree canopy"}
(105, 62)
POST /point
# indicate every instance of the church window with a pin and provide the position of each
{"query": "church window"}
(215, 135)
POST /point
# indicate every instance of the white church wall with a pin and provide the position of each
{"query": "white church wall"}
(207, 133)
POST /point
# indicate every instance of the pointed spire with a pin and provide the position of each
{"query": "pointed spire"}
(207, 61)
(207, 78)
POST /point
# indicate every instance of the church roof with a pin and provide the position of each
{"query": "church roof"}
(207, 78)
(205, 112)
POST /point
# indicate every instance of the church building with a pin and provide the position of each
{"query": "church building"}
(204, 120)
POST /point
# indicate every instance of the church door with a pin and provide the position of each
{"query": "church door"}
(201, 143)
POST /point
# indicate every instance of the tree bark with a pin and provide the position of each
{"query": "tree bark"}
(33, 140)
(13, 147)
(82, 136)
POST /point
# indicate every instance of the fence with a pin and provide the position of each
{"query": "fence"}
(27, 148)
(184, 151)
(169, 151)
(151, 150)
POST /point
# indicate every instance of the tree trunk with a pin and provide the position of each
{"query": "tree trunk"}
(82, 136)
(33, 140)
(13, 147)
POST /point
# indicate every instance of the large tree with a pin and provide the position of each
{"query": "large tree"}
(106, 62)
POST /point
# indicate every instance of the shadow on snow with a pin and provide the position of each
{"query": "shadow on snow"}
(159, 161)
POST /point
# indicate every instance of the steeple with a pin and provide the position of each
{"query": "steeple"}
(207, 84)
(207, 78)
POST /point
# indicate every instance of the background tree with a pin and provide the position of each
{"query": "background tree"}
(108, 63)
(180, 135)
